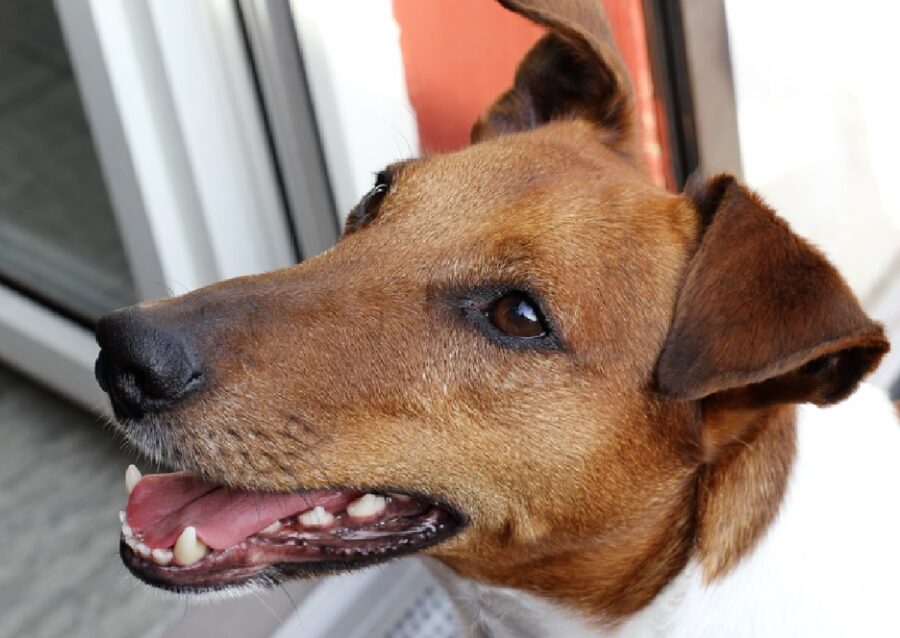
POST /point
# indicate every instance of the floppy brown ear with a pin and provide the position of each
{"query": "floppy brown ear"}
(761, 313)
(574, 71)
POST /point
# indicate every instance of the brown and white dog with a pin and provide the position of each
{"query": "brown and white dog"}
(601, 407)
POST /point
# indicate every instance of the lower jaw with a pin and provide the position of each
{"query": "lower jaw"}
(269, 561)
(194, 580)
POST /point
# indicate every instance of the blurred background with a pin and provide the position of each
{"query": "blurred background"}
(148, 147)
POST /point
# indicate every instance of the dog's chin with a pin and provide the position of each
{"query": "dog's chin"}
(199, 580)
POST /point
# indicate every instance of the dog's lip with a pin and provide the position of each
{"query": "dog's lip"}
(360, 527)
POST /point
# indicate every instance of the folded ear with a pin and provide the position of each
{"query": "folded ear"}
(574, 71)
(762, 314)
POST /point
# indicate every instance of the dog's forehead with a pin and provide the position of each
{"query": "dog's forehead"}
(521, 184)
(557, 191)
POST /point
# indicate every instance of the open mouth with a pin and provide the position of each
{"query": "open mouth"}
(186, 535)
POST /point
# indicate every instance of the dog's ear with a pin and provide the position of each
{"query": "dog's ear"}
(574, 71)
(762, 317)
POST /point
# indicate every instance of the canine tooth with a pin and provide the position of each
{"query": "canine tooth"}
(143, 550)
(366, 505)
(316, 517)
(122, 517)
(188, 548)
(126, 530)
(274, 527)
(132, 476)
(162, 556)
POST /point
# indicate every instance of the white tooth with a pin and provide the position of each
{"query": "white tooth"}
(126, 530)
(131, 541)
(366, 505)
(316, 517)
(122, 517)
(188, 548)
(274, 527)
(143, 550)
(132, 476)
(162, 556)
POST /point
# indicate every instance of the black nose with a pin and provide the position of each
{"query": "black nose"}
(142, 366)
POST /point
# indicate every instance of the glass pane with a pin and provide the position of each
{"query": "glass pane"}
(58, 237)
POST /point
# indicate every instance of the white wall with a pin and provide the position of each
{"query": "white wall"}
(819, 119)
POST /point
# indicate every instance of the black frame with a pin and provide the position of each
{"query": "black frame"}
(672, 82)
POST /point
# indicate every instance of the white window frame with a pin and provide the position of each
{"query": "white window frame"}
(357, 86)
(171, 103)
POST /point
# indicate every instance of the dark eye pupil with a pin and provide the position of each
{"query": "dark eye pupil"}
(517, 316)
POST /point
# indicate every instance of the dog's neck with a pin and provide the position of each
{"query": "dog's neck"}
(724, 512)
(740, 493)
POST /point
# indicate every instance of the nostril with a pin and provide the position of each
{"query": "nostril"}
(120, 384)
(143, 382)
(155, 383)
(196, 380)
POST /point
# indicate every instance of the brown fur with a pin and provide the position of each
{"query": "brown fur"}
(740, 492)
(661, 430)
(752, 272)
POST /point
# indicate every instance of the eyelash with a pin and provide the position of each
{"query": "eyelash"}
(367, 209)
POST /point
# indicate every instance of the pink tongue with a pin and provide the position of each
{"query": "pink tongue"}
(162, 505)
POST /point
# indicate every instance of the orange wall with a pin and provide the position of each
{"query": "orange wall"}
(459, 55)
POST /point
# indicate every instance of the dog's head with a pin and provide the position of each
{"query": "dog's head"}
(526, 352)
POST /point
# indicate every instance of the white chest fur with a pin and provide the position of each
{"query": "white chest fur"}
(829, 566)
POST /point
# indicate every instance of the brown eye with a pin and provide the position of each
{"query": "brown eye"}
(518, 316)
